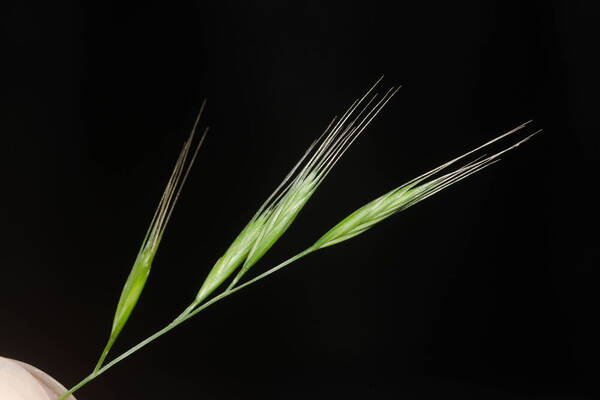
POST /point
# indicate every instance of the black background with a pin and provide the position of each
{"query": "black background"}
(482, 292)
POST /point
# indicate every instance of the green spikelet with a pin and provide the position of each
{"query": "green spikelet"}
(285, 203)
(407, 195)
(143, 263)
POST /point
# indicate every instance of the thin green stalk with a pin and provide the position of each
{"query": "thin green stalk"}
(105, 352)
(184, 316)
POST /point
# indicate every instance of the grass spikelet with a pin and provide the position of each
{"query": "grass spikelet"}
(283, 206)
(143, 262)
(233, 257)
(409, 194)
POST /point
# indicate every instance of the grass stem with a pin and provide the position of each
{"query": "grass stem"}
(188, 313)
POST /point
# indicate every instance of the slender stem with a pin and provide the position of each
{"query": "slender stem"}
(270, 271)
(235, 280)
(107, 348)
(188, 313)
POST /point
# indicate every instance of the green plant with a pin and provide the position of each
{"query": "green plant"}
(278, 212)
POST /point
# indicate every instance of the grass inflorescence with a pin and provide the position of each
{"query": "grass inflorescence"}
(280, 210)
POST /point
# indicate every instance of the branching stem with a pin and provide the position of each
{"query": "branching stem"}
(188, 313)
